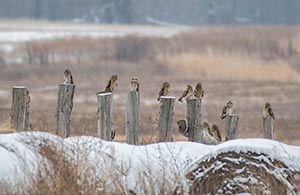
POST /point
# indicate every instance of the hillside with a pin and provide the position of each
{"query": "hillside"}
(35, 162)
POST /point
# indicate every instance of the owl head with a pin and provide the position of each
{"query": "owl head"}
(134, 80)
(114, 77)
(166, 85)
(215, 127)
(205, 125)
(67, 72)
(229, 104)
(267, 105)
(198, 86)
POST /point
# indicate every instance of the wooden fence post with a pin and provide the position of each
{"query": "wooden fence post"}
(104, 128)
(165, 123)
(20, 110)
(268, 127)
(64, 109)
(194, 120)
(132, 117)
(231, 126)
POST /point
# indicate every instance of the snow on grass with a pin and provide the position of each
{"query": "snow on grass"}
(160, 166)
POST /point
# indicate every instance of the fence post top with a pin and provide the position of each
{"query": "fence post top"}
(19, 87)
(167, 97)
(66, 84)
(104, 94)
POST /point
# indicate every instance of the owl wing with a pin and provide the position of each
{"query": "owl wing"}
(160, 93)
(183, 95)
(137, 87)
(210, 132)
(202, 94)
(71, 79)
(108, 87)
(224, 111)
(271, 113)
(218, 134)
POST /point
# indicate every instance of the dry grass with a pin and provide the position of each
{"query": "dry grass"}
(231, 67)
(249, 65)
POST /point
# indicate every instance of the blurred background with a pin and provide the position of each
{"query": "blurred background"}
(245, 51)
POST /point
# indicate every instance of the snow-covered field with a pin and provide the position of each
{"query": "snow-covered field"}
(144, 169)
(13, 32)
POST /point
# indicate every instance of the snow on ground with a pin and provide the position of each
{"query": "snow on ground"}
(15, 32)
(160, 166)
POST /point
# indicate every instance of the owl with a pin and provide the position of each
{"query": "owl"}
(187, 93)
(112, 84)
(134, 84)
(164, 91)
(267, 111)
(68, 78)
(206, 127)
(216, 132)
(227, 110)
(199, 92)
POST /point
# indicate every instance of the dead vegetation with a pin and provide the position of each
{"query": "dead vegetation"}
(248, 65)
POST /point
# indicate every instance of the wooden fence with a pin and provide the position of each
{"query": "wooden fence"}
(191, 127)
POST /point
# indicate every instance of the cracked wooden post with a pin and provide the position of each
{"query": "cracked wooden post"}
(231, 126)
(268, 127)
(194, 120)
(165, 123)
(104, 127)
(20, 110)
(132, 117)
(64, 109)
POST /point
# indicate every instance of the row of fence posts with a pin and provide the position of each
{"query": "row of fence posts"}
(20, 116)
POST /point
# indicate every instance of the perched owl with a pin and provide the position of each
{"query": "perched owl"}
(68, 78)
(206, 127)
(27, 98)
(164, 91)
(267, 111)
(199, 92)
(134, 84)
(187, 93)
(227, 110)
(216, 132)
(112, 84)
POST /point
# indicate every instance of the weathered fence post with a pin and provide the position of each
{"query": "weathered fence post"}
(165, 123)
(20, 109)
(268, 127)
(231, 126)
(194, 120)
(104, 128)
(64, 108)
(132, 117)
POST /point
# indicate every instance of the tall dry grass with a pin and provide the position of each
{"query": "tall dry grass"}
(230, 67)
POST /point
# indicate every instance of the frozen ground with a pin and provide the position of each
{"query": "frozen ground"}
(13, 32)
(158, 166)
